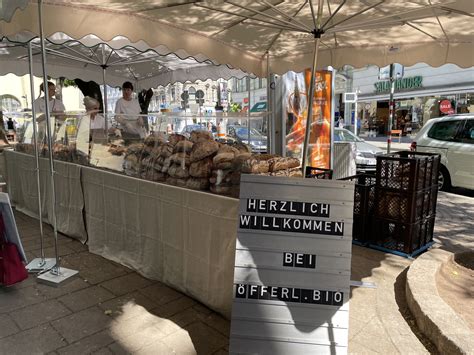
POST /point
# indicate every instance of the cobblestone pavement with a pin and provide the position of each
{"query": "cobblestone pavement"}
(109, 309)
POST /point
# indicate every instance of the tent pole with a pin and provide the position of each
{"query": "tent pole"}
(269, 115)
(35, 142)
(391, 108)
(56, 275)
(248, 114)
(49, 138)
(104, 72)
(309, 118)
(37, 264)
(333, 114)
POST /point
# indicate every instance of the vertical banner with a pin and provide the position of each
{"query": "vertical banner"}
(292, 266)
(295, 107)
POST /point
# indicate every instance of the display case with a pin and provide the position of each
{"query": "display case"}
(200, 152)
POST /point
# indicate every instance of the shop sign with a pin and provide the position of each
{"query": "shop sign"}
(446, 107)
(292, 266)
(409, 83)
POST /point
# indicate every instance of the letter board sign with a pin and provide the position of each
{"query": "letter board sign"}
(292, 266)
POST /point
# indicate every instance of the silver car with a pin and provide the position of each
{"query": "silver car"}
(453, 138)
(365, 153)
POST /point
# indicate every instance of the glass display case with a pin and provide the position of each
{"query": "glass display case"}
(201, 152)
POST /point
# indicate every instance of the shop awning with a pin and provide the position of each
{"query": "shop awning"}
(259, 107)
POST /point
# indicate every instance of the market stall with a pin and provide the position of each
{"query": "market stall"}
(225, 31)
(21, 182)
(181, 237)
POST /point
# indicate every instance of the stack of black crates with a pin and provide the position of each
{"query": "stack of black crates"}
(395, 209)
(364, 199)
(406, 190)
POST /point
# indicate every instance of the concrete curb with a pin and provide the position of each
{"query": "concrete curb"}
(434, 317)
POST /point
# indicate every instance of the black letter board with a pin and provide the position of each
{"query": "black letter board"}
(292, 266)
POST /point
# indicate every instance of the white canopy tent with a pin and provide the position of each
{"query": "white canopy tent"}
(274, 36)
(242, 33)
(124, 61)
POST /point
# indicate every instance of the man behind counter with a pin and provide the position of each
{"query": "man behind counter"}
(127, 110)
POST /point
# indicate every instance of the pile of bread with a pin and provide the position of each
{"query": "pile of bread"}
(61, 152)
(200, 163)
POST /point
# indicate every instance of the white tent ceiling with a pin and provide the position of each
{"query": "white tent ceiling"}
(383, 31)
(84, 58)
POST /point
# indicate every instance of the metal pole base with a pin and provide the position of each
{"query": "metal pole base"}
(55, 278)
(38, 265)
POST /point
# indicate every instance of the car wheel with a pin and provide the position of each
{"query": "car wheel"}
(444, 180)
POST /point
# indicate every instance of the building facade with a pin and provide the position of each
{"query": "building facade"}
(423, 93)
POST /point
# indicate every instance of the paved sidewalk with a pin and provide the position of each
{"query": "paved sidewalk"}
(109, 309)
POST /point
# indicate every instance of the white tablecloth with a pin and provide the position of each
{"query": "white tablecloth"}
(22, 188)
(181, 237)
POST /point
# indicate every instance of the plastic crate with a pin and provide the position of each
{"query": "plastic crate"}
(364, 196)
(407, 171)
(364, 193)
(407, 239)
(406, 207)
(317, 173)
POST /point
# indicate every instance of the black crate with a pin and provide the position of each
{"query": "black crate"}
(407, 239)
(407, 171)
(318, 173)
(403, 206)
(364, 196)
(364, 193)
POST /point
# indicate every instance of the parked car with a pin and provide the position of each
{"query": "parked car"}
(453, 138)
(365, 153)
(186, 131)
(258, 141)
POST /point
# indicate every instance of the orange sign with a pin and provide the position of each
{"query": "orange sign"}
(297, 92)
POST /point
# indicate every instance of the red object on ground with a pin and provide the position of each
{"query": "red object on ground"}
(12, 269)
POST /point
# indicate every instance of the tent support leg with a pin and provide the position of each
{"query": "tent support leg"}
(41, 263)
(104, 72)
(309, 118)
(56, 275)
(269, 117)
(333, 109)
(248, 114)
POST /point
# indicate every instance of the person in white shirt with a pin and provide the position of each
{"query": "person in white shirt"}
(97, 121)
(126, 111)
(56, 110)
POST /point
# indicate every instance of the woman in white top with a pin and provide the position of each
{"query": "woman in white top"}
(126, 111)
(56, 109)
(97, 121)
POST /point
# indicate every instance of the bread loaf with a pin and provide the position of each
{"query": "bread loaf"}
(173, 139)
(197, 184)
(166, 150)
(183, 146)
(255, 166)
(178, 172)
(223, 157)
(280, 163)
(181, 159)
(200, 136)
(201, 168)
(202, 150)
(181, 182)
